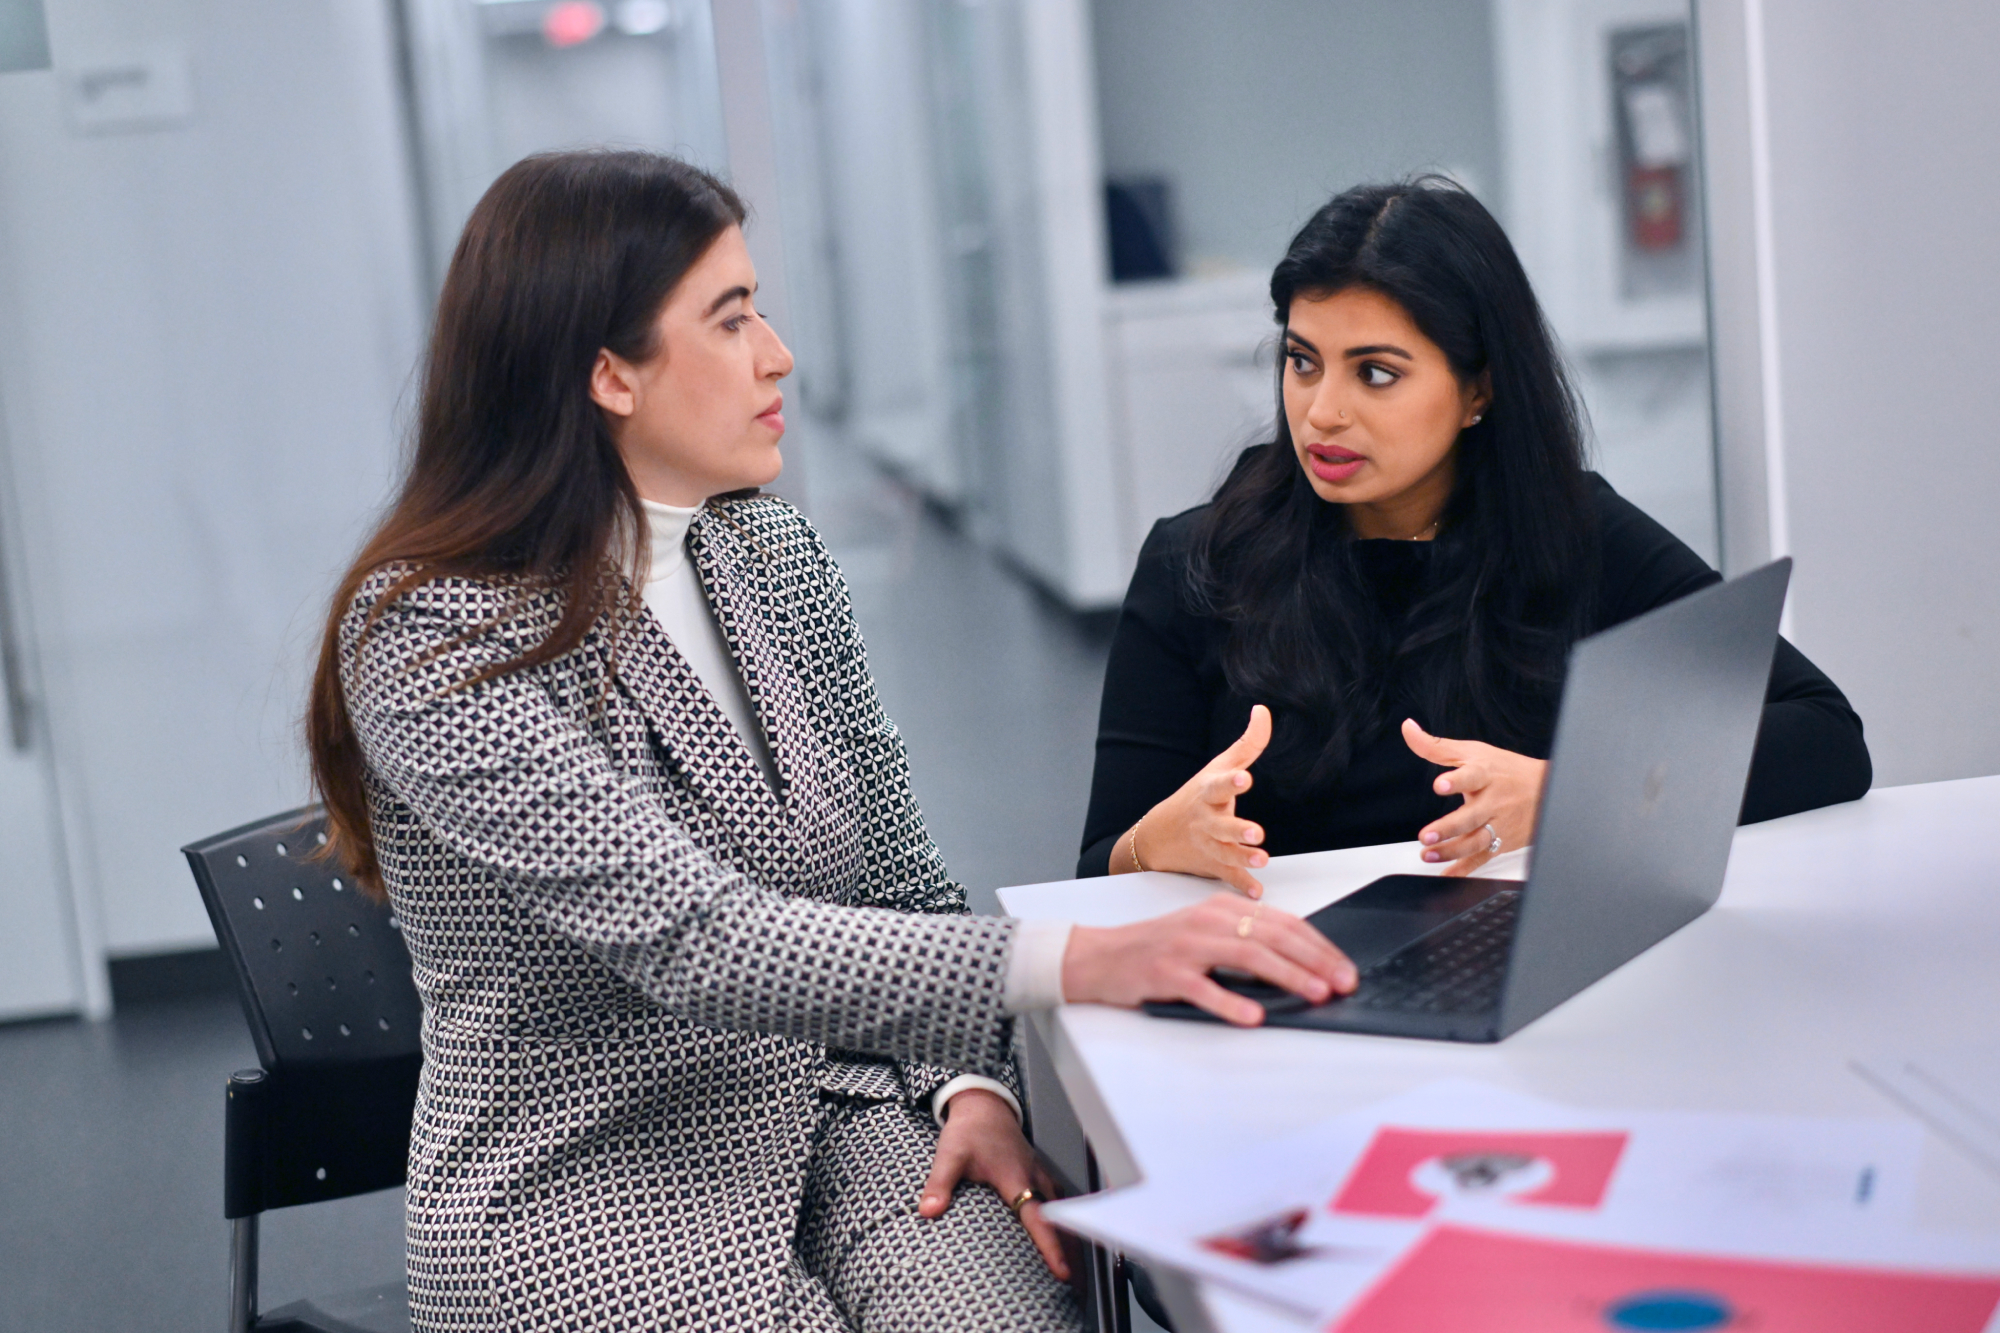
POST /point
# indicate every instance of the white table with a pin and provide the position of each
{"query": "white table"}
(1857, 931)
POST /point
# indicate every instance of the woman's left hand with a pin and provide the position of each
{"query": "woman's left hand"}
(1500, 788)
(982, 1142)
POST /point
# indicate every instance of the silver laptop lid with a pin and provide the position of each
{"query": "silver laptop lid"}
(1652, 750)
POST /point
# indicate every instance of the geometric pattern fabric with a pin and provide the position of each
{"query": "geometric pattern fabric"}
(868, 1262)
(643, 968)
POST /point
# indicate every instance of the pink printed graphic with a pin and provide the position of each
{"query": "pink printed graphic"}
(1405, 1172)
(1461, 1281)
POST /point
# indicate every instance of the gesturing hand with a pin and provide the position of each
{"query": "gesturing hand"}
(1170, 958)
(1500, 788)
(1195, 831)
(982, 1142)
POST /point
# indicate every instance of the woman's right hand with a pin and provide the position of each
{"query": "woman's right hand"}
(1170, 958)
(1195, 831)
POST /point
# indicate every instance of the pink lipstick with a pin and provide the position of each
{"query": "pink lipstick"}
(1332, 463)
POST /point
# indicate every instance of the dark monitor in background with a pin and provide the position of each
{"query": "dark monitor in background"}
(1139, 215)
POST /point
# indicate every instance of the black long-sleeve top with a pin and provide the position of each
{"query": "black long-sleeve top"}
(1168, 710)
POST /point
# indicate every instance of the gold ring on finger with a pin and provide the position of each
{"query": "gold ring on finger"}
(1022, 1200)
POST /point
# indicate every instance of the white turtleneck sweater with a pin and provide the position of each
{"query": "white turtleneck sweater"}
(673, 593)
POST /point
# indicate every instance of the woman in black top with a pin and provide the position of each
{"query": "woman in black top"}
(1420, 543)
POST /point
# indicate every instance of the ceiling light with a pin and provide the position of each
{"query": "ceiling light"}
(643, 18)
(573, 22)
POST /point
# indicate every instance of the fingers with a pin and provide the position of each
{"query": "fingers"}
(947, 1169)
(1464, 780)
(1469, 866)
(1301, 943)
(1241, 880)
(1242, 1011)
(1224, 786)
(1045, 1185)
(1243, 751)
(1434, 748)
(1477, 843)
(1281, 949)
(1043, 1233)
(1007, 1174)
(1269, 965)
(1318, 975)
(1463, 822)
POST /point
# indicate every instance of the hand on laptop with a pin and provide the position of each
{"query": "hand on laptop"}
(1502, 791)
(1170, 958)
(1195, 831)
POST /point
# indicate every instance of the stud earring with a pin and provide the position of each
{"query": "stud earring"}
(1477, 420)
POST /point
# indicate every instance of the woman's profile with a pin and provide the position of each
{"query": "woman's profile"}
(1361, 639)
(709, 1038)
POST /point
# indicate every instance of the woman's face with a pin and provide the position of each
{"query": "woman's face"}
(703, 415)
(1375, 410)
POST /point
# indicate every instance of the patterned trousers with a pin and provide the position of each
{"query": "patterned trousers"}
(865, 1262)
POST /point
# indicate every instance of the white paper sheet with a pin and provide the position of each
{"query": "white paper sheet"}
(1955, 1092)
(1679, 1174)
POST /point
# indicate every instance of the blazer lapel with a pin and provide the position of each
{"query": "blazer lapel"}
(744, 619)
(800, 837)
(817, 791)
(694, 731)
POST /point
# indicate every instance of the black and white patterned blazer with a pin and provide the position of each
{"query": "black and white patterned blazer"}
(639, 964)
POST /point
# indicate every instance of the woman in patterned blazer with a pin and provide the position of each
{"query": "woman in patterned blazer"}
(698, 992)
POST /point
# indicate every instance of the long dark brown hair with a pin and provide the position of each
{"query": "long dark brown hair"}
(514, 475)
(1481, 654)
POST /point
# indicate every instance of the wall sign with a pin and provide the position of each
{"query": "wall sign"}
(148, 89)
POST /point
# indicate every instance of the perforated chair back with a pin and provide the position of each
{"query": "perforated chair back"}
(325, 983)
(321, 968)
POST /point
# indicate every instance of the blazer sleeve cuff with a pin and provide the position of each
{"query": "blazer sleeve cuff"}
(941, 1099)
(1034, 968)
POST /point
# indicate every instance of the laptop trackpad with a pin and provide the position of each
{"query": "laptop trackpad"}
(1397, 910)
(1369, 926)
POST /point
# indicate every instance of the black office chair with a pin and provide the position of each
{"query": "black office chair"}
(325, 984)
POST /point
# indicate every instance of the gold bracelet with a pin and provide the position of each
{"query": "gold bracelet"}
(1133, 838)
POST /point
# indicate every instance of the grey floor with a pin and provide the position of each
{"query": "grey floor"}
(110, 1134)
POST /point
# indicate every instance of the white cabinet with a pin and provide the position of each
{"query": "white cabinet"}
(1192, 367)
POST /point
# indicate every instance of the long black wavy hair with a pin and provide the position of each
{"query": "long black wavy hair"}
(1481, 652)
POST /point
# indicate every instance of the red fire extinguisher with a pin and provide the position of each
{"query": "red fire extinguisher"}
(1656, 170)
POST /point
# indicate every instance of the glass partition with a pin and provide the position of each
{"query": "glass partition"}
(1028, 240)
(1077, 204)
(1223, 126)
(492, 81)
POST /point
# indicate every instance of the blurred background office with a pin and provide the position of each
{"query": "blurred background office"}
(1019, 247)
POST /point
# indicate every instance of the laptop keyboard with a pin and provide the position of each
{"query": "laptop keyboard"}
(1457, 968)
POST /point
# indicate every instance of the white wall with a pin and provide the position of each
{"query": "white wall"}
(204, 332)
(1882, 321)
(881, 200)
(1260, 110)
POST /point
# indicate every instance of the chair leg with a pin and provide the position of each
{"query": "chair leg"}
(243, 1274)
(1111, 1294)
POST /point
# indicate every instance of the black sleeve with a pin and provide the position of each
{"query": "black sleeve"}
(1152, 727)
(1810, 751)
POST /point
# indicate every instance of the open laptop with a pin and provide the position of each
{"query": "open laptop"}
(1652, 750)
